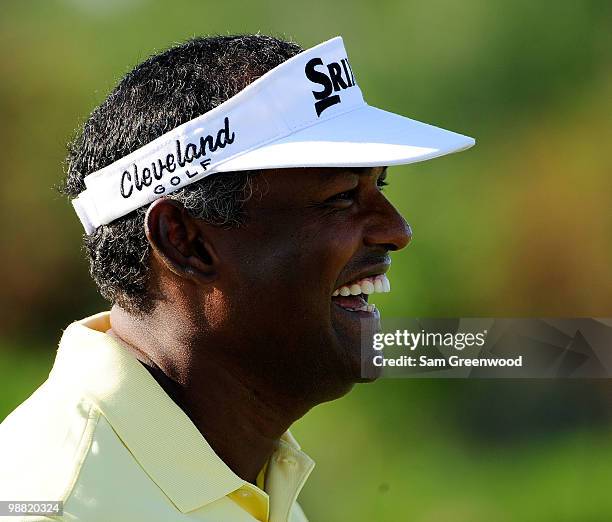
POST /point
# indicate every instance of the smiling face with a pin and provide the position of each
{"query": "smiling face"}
(302, 269)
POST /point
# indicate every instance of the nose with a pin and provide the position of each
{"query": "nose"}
(387, 227)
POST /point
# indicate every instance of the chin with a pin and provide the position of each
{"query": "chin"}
(364, 370)
(355, 365)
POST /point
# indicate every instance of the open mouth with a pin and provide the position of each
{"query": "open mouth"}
(353, 296)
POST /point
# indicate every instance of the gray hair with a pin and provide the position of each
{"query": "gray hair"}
(158, 95)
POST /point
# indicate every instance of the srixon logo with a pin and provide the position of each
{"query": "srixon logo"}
(333, 77)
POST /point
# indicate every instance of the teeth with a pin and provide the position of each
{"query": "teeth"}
(365, 308)
(355, 289)
(370, 285)
(367, 287)
(386, 285)
(378, 286)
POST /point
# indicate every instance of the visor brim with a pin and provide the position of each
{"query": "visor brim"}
(364, 137)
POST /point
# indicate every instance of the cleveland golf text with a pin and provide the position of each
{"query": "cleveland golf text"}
(139, 178)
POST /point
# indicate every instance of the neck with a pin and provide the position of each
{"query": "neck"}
(239, 413)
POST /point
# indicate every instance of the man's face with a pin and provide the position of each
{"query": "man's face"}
(309, 232)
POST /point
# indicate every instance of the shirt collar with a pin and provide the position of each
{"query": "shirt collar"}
(157, 432)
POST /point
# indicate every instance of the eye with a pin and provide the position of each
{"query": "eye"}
(380, 182)
(347, 195)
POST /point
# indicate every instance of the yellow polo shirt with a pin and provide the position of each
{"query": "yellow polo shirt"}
(102, 436)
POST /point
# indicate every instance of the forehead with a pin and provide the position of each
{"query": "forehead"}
(315, 178)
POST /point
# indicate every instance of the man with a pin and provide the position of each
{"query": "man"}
(231, 193)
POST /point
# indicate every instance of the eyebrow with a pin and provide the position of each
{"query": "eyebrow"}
(360, 171)
(343, 172)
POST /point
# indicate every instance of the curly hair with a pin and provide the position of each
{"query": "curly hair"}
(161, 93)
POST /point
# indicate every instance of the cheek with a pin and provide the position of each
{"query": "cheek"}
(291, 271)
(335, 247)
(323, 253)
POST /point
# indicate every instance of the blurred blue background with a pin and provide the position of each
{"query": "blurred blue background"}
(520, 225)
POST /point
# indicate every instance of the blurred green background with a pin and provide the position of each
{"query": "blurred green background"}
(521, 225)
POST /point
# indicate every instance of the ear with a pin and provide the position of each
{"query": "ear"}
(177, 240)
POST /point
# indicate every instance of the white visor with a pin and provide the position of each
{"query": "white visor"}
(307, 112)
